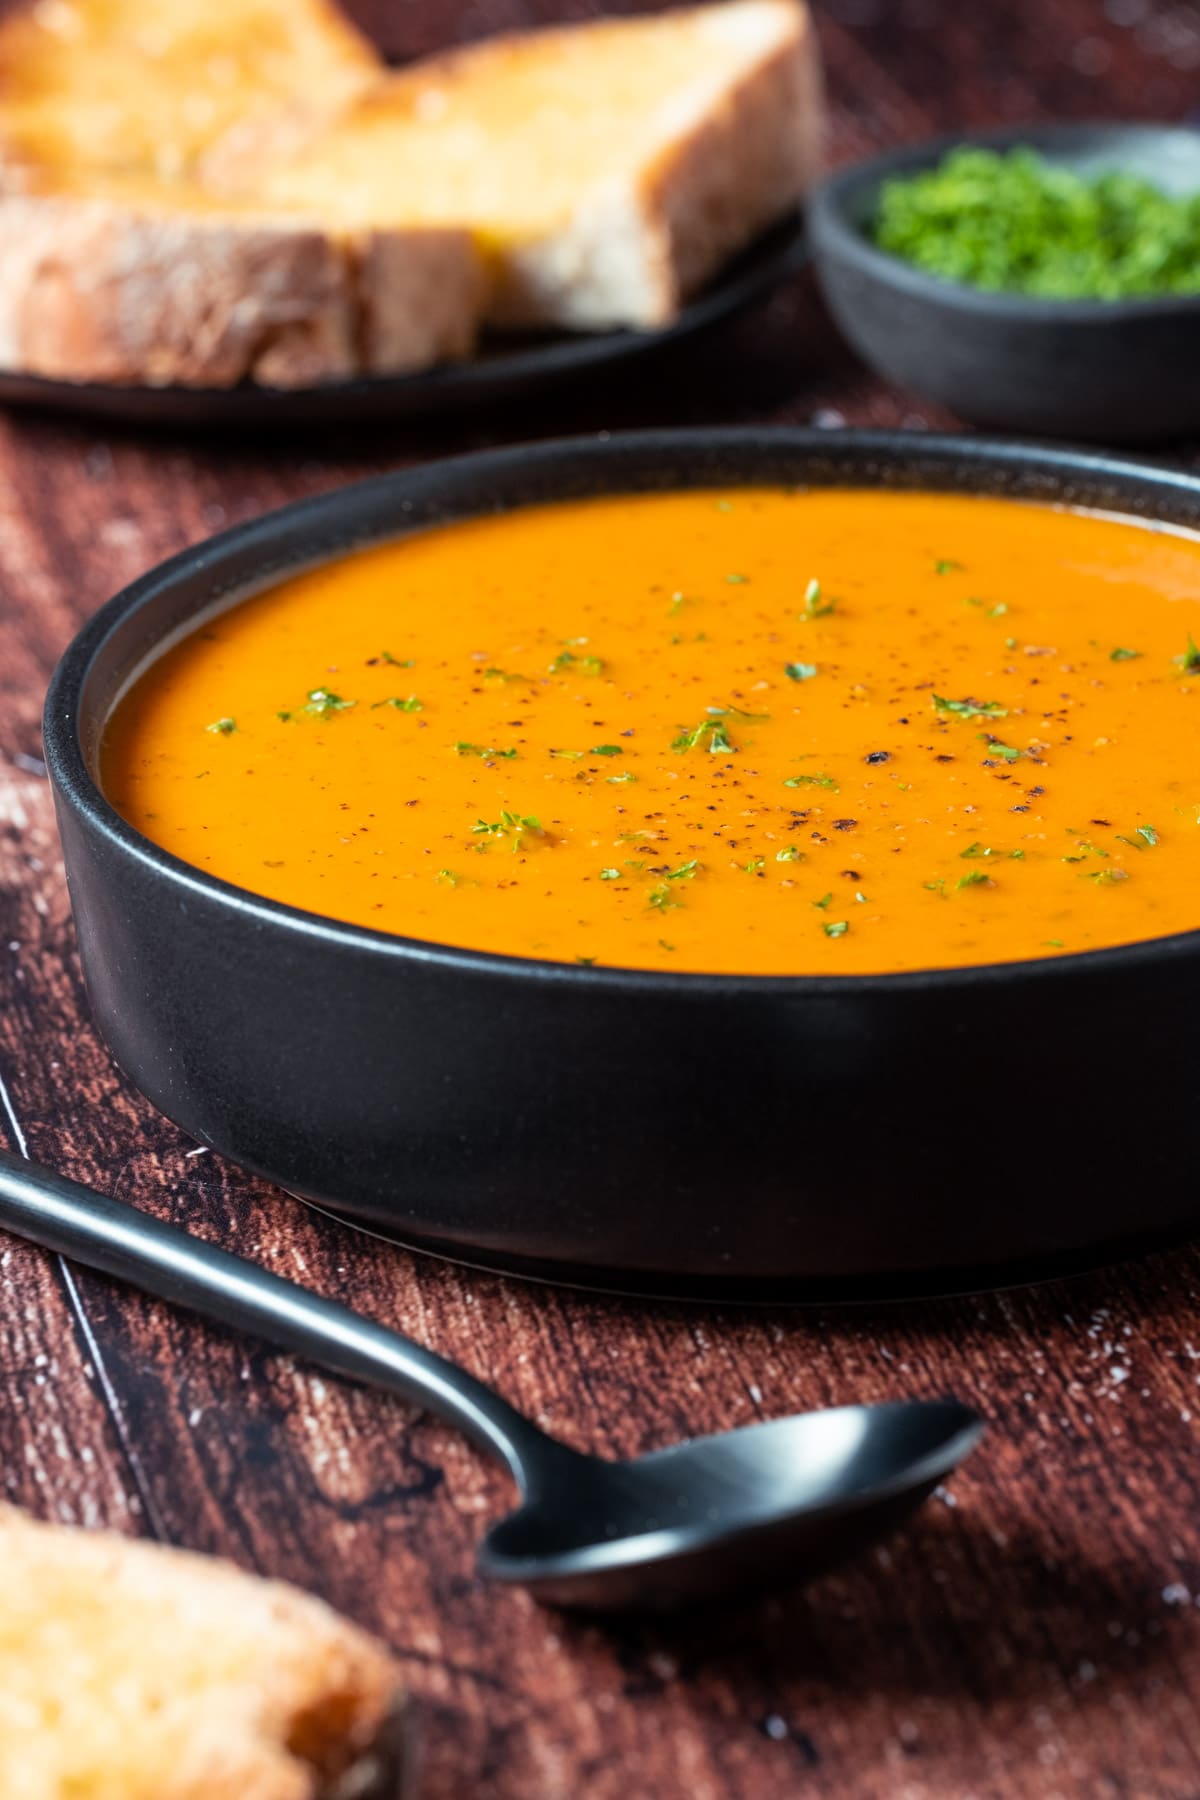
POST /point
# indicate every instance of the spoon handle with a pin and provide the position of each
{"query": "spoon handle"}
(161, 1259)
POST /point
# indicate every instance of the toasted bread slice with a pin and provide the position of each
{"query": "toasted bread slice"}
(159, 88)
(130, 1672)
(176, 206)
(607, 168)
(118, 261)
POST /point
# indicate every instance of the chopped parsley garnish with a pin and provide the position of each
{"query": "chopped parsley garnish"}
(606, 750)
(823, 902)
(1085, 848)
(1189, 662)
(222, 727)
(1103, 877)
(685, 872)
(712, 730)
(1009, 221)
(510, 825)
(970, 709)
(1121, 655)
(789, 853)
(448, 878)
(322, 704)
(619, 780)
(737, 580)
(662, 898)
(568, 755)
(817, 605)
(567, 663)
(610, 874)
(996, 610)
(800, 671)
(754, 866)
(835, 928)
(820, 781)
(410, 704)
(1147, 834)
(996, 748)
(488, 752)
(385, 656)
(973, 878)
(985, 850)
(946, 565)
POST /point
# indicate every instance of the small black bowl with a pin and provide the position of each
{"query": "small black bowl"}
(762, 1136)
(1107, 371)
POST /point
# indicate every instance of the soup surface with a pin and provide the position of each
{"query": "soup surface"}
(747, 731)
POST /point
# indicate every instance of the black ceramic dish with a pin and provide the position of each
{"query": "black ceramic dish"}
(502, 372)
(793, 1136)
(1123, 371)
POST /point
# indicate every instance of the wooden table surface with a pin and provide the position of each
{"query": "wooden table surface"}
(1034, 1633)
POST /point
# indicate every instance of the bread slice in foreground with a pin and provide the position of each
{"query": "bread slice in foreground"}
(159, 86)
(607, 169)
(130, 1672)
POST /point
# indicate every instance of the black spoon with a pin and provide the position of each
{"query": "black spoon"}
(762, 1506)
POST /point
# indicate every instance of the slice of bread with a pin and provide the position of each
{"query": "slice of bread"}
(199, 195)
(607, 168)
(118, 260)
(121, 279)
(161, 86)
(130, 1672)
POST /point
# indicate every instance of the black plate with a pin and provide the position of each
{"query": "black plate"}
(504, 369)
(656, 1132)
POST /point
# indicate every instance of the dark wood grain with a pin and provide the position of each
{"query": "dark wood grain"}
(1035, 1633)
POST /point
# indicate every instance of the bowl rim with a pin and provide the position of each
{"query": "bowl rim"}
(835, 233)
(303, 527)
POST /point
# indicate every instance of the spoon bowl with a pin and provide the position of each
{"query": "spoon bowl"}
(767, 1505)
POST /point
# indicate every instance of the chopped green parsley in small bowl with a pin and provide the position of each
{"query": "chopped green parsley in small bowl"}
(1043, 278)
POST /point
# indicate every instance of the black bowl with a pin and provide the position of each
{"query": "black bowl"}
(799, 1136)
(1109, 371)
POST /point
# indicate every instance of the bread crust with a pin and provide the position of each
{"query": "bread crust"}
(98, 289)
(171, 1676)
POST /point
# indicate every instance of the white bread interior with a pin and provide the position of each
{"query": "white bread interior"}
(130, 1672)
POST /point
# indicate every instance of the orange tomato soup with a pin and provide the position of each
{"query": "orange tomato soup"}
(753, 731)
